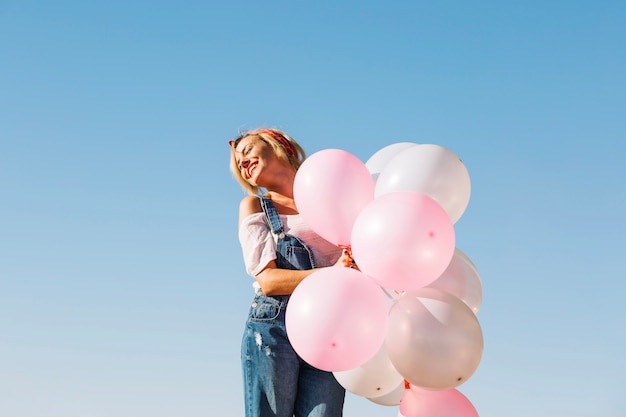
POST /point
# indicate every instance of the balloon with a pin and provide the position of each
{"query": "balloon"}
(418, 402)
(336, 319)
(374, 378)
(433, 339)
(432, 170)
(403, 240)
(376, 163)
(330, 189)
(393, 398)
(462, 280)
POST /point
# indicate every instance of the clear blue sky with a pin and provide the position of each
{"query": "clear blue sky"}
(122, 290)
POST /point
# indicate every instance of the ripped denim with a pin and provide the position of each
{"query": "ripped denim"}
(278, 383)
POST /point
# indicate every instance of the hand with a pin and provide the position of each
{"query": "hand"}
(346, 260)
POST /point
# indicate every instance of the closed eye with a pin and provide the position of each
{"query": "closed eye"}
(244, 164)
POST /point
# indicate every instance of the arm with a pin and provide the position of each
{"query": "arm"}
(276, 281)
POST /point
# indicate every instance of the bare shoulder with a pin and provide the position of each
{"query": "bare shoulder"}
(249, 205)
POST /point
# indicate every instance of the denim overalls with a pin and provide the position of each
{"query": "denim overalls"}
(277, 382)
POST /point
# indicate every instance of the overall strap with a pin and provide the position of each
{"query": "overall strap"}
(272, 215)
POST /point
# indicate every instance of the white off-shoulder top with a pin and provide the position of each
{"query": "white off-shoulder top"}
(258, 243)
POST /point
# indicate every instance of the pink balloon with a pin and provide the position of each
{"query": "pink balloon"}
(403, 240)
(418, 402)
(330, 189)
(336, 319)
(462, 280)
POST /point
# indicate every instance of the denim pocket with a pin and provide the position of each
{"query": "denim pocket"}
(293, 257)
(264, 308)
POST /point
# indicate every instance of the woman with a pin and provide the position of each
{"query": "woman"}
(279, 251)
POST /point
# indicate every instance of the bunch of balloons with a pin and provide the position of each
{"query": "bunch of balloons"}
(402, 328)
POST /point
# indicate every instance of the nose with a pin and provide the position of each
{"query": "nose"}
(244, 163)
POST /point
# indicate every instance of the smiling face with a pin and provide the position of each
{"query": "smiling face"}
(254, 157)
(261, 158)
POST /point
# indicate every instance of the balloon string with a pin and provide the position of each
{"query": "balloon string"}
(349, 250)
(391, 297)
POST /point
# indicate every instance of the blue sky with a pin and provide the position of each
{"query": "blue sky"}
(122, 289)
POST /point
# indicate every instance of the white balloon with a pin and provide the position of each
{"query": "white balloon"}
(376, 163)
(432, 170)
(433, 339)
(391, 399)
(374, 378)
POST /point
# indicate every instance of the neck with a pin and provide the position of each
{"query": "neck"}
(284, 202)
(281, 184)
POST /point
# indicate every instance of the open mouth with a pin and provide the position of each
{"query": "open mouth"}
(251, 169)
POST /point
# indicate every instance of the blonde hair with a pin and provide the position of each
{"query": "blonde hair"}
(285, 148)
